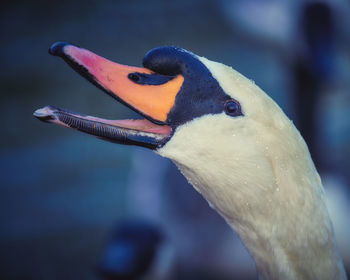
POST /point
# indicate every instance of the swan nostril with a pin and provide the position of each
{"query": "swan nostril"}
(134, 77)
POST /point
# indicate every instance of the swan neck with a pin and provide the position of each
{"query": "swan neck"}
(276, 259)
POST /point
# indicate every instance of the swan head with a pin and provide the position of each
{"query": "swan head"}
(173, 88)
(231, 141)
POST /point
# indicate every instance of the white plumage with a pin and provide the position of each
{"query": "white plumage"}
(257, 172)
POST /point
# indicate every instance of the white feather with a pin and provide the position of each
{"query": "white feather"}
(257, 172)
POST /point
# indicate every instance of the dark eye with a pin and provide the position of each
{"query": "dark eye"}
(232, 108)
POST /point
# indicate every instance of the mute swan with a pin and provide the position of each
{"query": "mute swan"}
(233, 144)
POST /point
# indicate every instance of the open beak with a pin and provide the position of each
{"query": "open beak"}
(146, 92)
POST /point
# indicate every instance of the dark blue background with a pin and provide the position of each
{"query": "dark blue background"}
(63, 192)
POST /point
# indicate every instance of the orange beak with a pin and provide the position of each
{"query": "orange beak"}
(151, 94)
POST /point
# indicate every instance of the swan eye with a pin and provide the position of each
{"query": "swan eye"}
(232, 108)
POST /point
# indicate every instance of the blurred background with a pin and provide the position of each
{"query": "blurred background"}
(74, 207)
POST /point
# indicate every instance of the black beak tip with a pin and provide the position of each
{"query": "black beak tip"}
(57, 49)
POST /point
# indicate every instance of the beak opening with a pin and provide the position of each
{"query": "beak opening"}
(148, 93)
